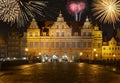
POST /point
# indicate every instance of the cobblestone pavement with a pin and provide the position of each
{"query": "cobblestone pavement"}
(60, 73)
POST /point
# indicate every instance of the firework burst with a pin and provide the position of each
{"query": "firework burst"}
(107, 11)
(9, 10)
(20, 12)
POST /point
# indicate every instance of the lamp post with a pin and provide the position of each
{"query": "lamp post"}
(81, 54)
(26, 50)
(39, 55)
(114, 56)
(94, 50)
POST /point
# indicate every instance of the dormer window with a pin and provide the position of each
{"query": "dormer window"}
(62, 26)
(30, 34)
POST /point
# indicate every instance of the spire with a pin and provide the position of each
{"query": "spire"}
(60, 17)
(87, 19)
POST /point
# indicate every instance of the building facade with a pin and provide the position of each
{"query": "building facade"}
(111, 49)
(3, 49)
(60, 44)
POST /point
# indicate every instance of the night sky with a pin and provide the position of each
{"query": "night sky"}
(52, 11)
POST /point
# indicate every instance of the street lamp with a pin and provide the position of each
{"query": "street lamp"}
(94, 50)
(114, 56)
(80, 55)
(39, 55)
(26, 50)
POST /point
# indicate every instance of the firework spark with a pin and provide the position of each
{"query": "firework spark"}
(9, 10)
(107, 11)
(76, 8)
(20, 12)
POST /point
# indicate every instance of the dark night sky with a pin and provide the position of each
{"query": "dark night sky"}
(52, 11)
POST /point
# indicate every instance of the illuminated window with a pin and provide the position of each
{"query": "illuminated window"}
(57, 34)
(90, 34)
(73, 44)
(99, 45)
(84, 44)
(62, 33)
(89, 44)
(36, 44)
(110, 48)
(62, 26)
(41, 44)
(63, 44)
(30, 34)
(67, 45)
(52, 44)
(47, 44)
(103, 48)
(78, 44)
(57, 26)
(36, 34)
(31, 44)
(57, 44)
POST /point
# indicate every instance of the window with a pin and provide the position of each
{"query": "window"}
(62, 33)
(52, 44)
(36, 34)
(63, 44)
(31, 44)
(78, 44)
(47, 44)
(57, 34)
(57, 44)
(103, 48)
(89, 34)
(30, 34)
(109, 48)
(99, 45)
(62, 26)
(89, 44)
(67, 45)
(76, 33)
(57, 26)
(41, 44)
(84, 33)
(73, 44)
(84, 44)
(36, 44)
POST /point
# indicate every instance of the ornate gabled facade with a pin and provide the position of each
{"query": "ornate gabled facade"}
(111, 49)
(60, 44)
